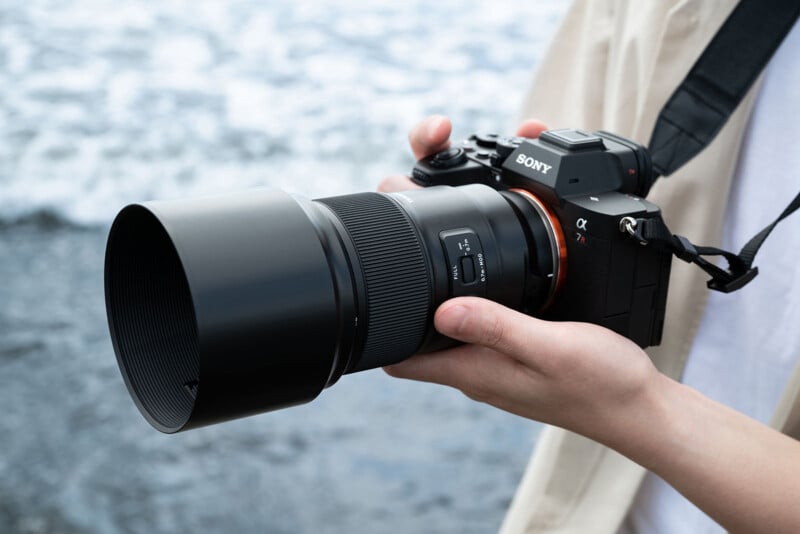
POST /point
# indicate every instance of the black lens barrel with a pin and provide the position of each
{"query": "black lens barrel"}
(239, 304)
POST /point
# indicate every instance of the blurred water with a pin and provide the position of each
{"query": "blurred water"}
(104, 103)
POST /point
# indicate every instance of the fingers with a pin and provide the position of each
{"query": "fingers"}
(531, 128)
(489, 363)
(433, 134)
(555, 372)
(479, 373)
(430, 136)
(398, 182)
(443, 367)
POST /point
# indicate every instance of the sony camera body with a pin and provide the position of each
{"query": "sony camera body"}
(589, 187)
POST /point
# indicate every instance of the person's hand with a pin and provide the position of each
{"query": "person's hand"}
(560, 373)
(592, 381)
(575, 375)
(432, 135)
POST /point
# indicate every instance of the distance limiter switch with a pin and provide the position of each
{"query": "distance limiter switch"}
(466, 262)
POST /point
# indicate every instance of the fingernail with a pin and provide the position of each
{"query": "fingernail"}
(451, 320)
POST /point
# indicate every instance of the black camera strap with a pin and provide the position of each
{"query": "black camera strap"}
(697, 111)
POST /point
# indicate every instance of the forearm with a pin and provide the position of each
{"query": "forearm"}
(742, 473)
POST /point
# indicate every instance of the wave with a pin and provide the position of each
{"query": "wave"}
(42, 219)
(172, 99)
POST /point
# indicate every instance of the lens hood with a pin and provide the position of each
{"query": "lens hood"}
(220, 307)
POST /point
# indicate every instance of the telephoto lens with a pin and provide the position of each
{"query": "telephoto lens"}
(233, 305)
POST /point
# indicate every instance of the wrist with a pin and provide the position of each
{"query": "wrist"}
(650, 428)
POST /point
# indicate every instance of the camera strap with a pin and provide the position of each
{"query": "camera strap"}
(697, 111)
(654, 232)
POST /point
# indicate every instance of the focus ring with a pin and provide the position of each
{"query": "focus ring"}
(396, 276)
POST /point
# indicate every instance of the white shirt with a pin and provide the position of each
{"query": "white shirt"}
(748, 341)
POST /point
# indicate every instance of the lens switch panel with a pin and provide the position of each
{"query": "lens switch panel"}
(466, 262)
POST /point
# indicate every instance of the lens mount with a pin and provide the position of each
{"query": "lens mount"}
(553, 264)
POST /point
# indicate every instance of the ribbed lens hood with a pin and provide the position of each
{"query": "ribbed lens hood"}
(220, 307)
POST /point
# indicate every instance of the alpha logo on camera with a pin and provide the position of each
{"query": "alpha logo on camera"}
(535, 164)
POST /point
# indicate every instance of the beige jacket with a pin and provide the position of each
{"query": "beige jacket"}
(612, 65)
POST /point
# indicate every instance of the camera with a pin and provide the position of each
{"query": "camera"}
(228, 306)
(585, 187)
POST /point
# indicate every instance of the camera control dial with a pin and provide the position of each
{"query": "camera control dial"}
(446, 159)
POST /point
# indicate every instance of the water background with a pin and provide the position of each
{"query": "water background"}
(104, 103)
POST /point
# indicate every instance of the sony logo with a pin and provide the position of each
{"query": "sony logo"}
(534, 164)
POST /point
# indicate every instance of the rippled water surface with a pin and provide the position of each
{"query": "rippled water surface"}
(104, 103)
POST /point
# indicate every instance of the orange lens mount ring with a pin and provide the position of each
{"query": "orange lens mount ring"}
(558, 235)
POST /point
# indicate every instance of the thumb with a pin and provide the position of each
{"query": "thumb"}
(531, 128)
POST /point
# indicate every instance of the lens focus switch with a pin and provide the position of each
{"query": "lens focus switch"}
(465, 262)
(467, 269)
